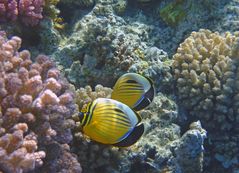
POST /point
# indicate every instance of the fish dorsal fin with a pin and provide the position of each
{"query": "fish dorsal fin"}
(133, 137)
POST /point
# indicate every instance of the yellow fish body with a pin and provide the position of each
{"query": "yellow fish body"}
(134, 90)
(111, 122)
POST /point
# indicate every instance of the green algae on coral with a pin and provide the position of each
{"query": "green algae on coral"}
(173, 13)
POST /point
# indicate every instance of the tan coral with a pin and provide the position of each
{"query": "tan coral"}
(86, 95)
(206, 68)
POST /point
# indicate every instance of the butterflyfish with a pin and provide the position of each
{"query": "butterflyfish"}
(134, 90)
(111, 122)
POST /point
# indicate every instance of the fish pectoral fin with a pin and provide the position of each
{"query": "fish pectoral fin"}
(133, 137)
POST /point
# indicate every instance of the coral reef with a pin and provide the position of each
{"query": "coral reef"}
(98, 49)
(228, 17)
(36, 104)
(173, 20)
(80, 3)
(18, 151)
(52, 12)
(102, 40)
(161, 148)
(206, 73)
(103, 46)
(157, 66)
(173, 13)
(28, 11)
(86, 95)
(120, 7)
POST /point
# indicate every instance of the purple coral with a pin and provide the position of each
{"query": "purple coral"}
(27, 11)
(36, 104)
(18, 152)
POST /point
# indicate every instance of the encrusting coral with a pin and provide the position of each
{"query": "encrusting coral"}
(103, 46)
(36, 103)
(206, 73)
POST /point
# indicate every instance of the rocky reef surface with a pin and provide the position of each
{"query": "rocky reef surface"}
(92, 43)
(162, 147)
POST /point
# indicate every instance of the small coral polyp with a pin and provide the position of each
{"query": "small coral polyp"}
(27, 11)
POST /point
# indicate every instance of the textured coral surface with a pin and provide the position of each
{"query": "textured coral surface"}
(96, 42)
(28, 11)
(35, 105)
(206, 73)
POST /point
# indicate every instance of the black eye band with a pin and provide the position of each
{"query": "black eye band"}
(81, 116)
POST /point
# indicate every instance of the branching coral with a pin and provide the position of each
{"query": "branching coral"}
(36, 94)
(18, 151)
(28, 11)
(206, 73)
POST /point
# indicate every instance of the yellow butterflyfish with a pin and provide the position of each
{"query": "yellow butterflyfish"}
(134, 90)
(111, 122)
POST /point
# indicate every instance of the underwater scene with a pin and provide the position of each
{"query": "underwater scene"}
(119, 86)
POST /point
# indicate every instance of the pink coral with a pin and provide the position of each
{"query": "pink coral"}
(28, 11)
(18, 152)
(35, 98)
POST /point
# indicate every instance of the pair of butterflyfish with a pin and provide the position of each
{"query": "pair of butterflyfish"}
(115, 121)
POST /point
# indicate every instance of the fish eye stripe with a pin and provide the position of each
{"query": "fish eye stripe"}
(90, 115)
(86, 115)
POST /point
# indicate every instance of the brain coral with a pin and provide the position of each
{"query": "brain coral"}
(206, 73)
(35, 104)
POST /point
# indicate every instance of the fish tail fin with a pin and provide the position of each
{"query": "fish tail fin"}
(133, 137)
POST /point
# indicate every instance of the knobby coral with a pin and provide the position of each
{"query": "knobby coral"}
(206, 73)
(35, 104)
(28, 11)
(86, 95)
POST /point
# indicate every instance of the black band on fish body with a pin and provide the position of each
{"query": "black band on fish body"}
(131, 81)
(81, 116)
(147, 97)
(151, 92)
(133, 137)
